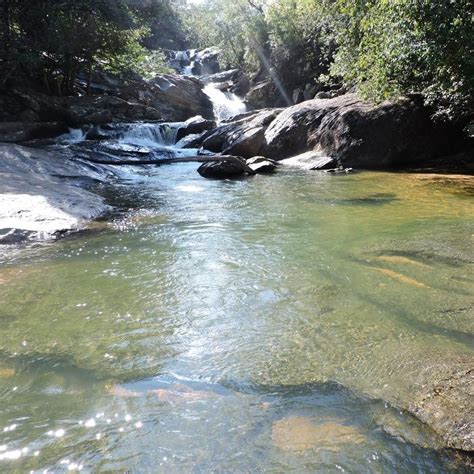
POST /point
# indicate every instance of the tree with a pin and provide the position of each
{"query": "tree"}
(392, 47)
(55, 40)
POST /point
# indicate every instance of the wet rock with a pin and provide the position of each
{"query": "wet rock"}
(206, 62)
(222, 77)
(261, 165)
(298, 433)
(36, 199)
(356, 133)
(243, 137)
(220, 170)
(195, 125)
(310, 160)
(446, 406)
(15, 132)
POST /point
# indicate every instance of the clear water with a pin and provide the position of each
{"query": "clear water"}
(268, 324)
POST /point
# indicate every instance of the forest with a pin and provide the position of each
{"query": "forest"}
(382, 49)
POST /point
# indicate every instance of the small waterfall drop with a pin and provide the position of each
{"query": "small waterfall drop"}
(225, 104)
(149, 134)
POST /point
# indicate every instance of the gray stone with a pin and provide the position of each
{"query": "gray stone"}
(220, 170)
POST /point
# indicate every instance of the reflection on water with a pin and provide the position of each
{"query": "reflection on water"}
(239, 326)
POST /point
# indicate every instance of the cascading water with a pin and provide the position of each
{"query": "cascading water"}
(225, 104)
(155, 139)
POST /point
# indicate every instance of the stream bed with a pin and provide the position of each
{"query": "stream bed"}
(273, 323)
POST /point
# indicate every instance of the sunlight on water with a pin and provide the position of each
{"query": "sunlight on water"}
(240, 326)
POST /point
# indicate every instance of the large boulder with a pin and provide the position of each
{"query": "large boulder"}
(42, 193)
(345, 130)
(176, 97)
(168, 97)
(195, 125)
(243, 137)
(357, 133)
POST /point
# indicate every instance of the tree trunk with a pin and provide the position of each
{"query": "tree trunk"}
(185, 159)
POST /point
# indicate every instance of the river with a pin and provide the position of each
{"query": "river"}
(272, 323)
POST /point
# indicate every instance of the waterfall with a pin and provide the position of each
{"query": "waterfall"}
(225, 104)
(149, 134)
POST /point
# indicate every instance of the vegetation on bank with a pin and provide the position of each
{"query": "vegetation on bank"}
(382, 48)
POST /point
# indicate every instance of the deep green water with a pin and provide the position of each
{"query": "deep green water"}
(215, 323)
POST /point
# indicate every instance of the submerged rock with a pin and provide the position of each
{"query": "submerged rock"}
(447, 407)
(299, 433)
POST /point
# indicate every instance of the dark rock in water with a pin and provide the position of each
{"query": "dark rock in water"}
(220, 170)
(345, 130)
(358, 134)
(15, 132)
(263, 166)
(195, 125)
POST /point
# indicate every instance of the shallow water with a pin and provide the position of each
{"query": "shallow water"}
(218, 321)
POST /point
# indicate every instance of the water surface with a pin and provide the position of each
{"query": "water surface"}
(216, 322)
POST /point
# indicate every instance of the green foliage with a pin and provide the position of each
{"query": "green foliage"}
(392, 47)
(54, 41)
(237, 27)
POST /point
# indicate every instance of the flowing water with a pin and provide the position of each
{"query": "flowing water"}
(273, 323)
(226, 104)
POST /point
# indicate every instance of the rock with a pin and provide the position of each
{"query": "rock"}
(297, 96)
(176, 97)
(168, 97)
(358, 134)
(224, 76)
(446, 406)
(343, 131)
(195, 125)
(15, 132)
(310, 160)
(259, 159)
(310, 91)
(37, 200)
(263, 167)
(261, 95)
(220, 170)
(206, 62)
(298, 433)
(243, 137)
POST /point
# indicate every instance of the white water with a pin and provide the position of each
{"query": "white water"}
(225, 104)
